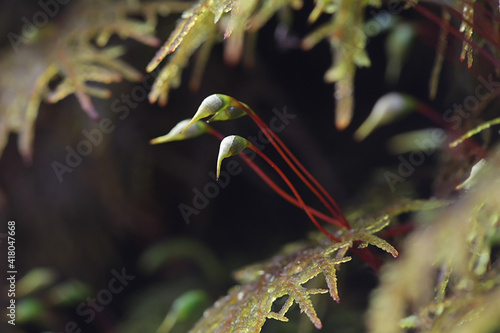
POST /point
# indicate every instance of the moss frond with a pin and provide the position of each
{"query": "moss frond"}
(457, 249)
(66, 52)
(348, 50)
(248, 306)
(200, 24)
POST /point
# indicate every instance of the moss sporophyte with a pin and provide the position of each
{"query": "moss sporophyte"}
(219, 107)
(246, 307)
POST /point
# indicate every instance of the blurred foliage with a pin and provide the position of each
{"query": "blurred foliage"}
(68, 56)
(448, 278)
(71, 56)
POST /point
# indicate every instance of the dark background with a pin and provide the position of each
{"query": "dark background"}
(124, 197)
